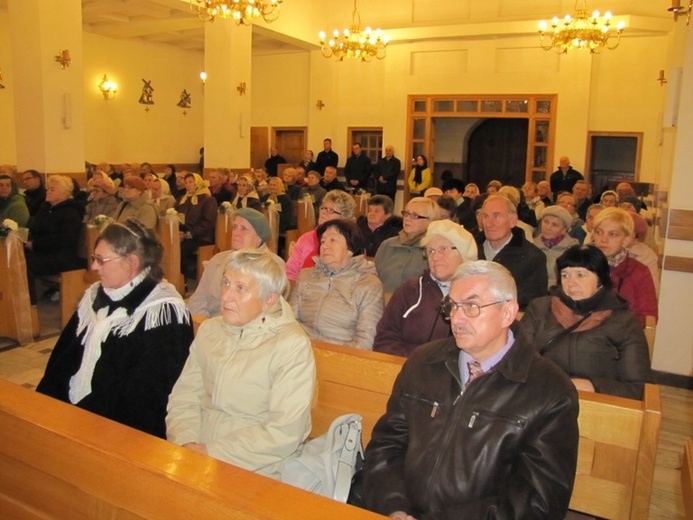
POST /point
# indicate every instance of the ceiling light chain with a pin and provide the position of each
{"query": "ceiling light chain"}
(354, 43)
(581, 32)
(243, 12)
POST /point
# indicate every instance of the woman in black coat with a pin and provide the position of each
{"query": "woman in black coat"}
(54, 233)
(587, 329)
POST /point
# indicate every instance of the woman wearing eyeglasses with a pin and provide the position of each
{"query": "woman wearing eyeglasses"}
(336, 204)
(123, 349)
(401, 258)
(412, 316)
(340, 299)
(587, 329)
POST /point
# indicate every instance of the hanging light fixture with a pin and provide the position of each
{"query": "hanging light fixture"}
(354, 43)
(581, 32)
(243, 12)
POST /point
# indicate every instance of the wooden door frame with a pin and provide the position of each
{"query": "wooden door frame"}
(638, 155)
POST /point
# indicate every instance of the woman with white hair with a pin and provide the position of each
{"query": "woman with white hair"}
(245, 392)
(54, 233)
(412, 316)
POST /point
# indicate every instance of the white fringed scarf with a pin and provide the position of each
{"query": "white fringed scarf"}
(155, 309)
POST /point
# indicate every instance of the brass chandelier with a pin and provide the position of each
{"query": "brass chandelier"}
(243, 12)
(581, 32)
(354, 43)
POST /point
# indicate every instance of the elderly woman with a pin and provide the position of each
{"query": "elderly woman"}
(200, 211)
(277, 195)
(420, 178)
(613, 234)
(340, 300)
(161, 196)
(568, 202)
(126, 344)
(102, 200)
(245, 393)
(553, 239)
(136, 203)
(471, 191)
(246, 196)
(335, 205)
(609, 199)
(412, 316)
(54, 233)
(587, 329)
(401, 258)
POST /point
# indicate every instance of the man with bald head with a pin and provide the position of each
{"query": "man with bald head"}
(564, 178)
(386, 173)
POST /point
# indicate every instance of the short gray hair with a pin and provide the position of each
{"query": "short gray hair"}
(508, 203)
(501, 284)
(267, 268)
(63, 182)
(343, 200)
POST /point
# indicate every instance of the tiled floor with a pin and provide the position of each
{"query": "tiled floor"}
(25, 366)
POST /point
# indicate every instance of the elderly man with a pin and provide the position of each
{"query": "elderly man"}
(582, 190)
(502, 242)
(564, 178)
(386, 172)
(250, 230)
(479, 425)
(329, 180)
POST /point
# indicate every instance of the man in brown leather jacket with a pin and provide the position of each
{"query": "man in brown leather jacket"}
(478, 425)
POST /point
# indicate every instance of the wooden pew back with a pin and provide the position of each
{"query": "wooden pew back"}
(350, 380)
(58, 461)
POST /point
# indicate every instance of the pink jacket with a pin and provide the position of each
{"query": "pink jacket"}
(306, 248)
(633, 282)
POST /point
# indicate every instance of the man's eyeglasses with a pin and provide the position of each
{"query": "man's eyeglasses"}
(471, 310)
(442, 250)
(103, 260)
(415, 216)
(329, 211)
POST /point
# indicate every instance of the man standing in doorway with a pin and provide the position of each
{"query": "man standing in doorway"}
(357, 169)
(273, 162)
(564, 178)
(386, 173)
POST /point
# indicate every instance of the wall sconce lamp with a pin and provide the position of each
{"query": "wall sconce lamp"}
(108, 88)
(63, 58)
(679, 10)
(203, 77)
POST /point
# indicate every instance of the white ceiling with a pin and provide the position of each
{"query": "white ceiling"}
(172, 22)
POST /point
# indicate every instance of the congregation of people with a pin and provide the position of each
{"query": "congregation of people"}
(504, 300)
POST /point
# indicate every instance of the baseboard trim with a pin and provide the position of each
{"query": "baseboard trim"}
(675, 380)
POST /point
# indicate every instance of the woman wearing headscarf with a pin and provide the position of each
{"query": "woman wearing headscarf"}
(161, 196)
(136, 203)
(102, 200)
(200, 217)
(420, 178)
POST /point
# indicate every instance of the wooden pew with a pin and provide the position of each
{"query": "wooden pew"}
(16, 319)
(167, 230)
(687, 478)
(58, 461)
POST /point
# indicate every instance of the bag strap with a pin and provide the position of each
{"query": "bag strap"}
(551, 342)
(347, 459)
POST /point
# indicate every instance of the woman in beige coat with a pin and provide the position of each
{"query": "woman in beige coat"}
(245, 392)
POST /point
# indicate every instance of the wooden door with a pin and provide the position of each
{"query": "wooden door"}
(259, 146)
(291, 143)
(498, 150)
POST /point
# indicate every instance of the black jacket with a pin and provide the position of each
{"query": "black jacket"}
(526, 263)
(390, 228)
(326, 159)
(560, 183)
(389, 170)
(609, 349)
(358, 168)
(506, 447)
(54, 234)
